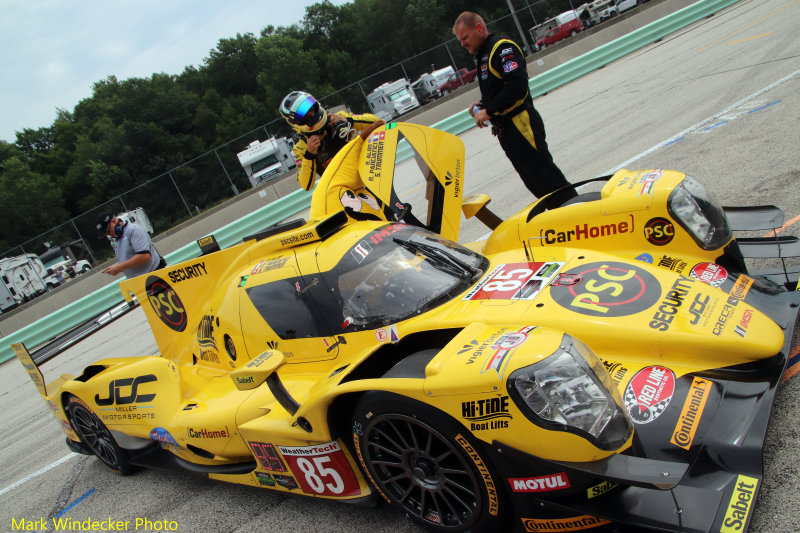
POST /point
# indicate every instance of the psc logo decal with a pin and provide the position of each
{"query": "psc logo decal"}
(607, 289)
(166, 303)
(649, 392)
(659, 231)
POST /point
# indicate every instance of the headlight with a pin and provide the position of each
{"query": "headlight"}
(696, 209)
(571, 391)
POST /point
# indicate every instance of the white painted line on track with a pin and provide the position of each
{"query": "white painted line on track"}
(38, 473)
(702, 123)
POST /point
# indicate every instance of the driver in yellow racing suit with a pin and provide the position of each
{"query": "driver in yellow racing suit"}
(321, 135)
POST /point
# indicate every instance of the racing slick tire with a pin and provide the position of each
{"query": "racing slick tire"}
(428, 465)
(97, 438)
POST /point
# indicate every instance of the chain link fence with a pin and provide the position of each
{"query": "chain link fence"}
(216, 176)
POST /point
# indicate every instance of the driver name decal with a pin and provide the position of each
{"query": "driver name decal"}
(165, 302)
(514, 281)
(375, 156)
(606, 289)
(648, 394)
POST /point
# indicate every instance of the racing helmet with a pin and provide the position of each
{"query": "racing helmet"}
(303, 112)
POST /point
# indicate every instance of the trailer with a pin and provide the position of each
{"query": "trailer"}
(22, 277)
(426, 88)
(392, 99)
(265, 160)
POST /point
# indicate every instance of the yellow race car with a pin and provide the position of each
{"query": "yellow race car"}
(604, 362)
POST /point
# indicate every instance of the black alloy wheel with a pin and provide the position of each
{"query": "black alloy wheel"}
(427, 465)
(97, 437)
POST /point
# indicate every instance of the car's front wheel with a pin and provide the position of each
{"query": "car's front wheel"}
(427, 464)
(97, 437)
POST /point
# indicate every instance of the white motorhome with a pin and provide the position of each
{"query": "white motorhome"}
(265, 160)
(426, 88)
(442, 75)
(392, 99)
(138, 217)
(21, 276)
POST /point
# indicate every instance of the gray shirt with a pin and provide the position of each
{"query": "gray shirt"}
(136, 240)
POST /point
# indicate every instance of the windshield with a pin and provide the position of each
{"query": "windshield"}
(398, 272)
(398, 94)
(263, 163)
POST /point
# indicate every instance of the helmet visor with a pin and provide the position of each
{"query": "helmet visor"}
(306, 113)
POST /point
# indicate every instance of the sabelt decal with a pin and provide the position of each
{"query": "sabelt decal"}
(742, 286)
(540, 484)
(514, 281)
(491, 488)
(649, 392)
(738, 512)
(692, 411)
(659, 231)
(321, 469)
(711, 273)
(166, 303)
(602, 488)
(606, 289)
(575, 523)
(584, 232)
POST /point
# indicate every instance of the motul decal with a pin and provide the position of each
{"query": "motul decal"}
(540, 484)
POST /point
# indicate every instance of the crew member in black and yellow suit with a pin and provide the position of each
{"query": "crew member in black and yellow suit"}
(507, 103)
(321, 135)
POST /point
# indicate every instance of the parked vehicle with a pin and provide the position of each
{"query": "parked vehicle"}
(441, 75)
(568, 23)
(392, 99)
(555, 376)
(457, 79)
(22, 275)
(263, 161)
(618, 6)
(138, 217)
(426, 89)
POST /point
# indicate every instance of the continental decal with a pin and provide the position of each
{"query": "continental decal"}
(583, 232)
(576, 523)
(356, 433)
(188, 272)
(491, 488)
(738, 512)
(742, 286)
(689, 419)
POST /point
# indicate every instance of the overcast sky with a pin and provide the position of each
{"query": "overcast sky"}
(52, 51)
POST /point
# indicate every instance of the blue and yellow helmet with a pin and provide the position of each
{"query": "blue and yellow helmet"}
(303, 112)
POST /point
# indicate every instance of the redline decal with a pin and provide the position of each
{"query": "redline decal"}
(649, 392)
(711, 273)
(540, 484)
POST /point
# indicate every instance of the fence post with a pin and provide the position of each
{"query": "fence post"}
(233, 185)
(179, 194)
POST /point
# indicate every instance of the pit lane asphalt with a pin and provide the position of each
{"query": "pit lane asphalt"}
(719, 100)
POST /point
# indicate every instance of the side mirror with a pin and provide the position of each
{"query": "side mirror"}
(258, 370)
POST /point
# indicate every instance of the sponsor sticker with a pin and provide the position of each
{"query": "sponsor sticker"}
(602, 488)
(659, 231)
(321, 469)
(575, 523)
(692, 411)
(649, 393)
(486, 413)
(742, 286)
(389, 333)
(166, 304)
(606, 289)
(267, 456)
(711, 273)
(540, 484)
(645, 258)
(510, 66)
(737, 514)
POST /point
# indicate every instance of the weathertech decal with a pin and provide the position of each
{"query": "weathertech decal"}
(576, 523)
(738, 511)
(689, 418)
(606, 289)
(648, 394)
(540, 484)
(166, 303)
(321, 469)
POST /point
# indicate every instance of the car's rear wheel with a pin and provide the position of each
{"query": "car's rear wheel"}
(445, 92)
(427, 464)
(97, 437)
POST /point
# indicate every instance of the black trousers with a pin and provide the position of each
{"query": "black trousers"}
(522, 138)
